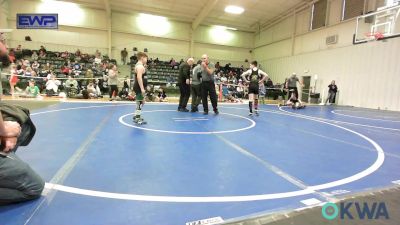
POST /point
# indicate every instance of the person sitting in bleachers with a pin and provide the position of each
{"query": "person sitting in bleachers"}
(150, 95)
(65, 55)
(52, 85)
(65, 69)
(25, 64)
(93, 90)
(78, 53)
(18, 52)
(29, 72)
(11, 56)
(240, 89)
(89, 74)
(162, 95)
(32, 91)
(97, 59)
(77, 68)
(45, 70)
(42, 52)
(71, 87)
(35, 66)
(34, 56)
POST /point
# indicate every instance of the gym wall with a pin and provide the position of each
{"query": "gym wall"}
(86, 28)
(366, 74)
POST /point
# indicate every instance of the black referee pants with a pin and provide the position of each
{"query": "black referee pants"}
(208, 89)
(184, 90)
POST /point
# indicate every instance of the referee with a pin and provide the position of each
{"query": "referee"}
(184, 84)
(208, 85)
(291, 85)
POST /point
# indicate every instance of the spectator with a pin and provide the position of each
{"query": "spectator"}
(78, 53)
(93, 90)
(46, 69)
(156, 60)
(52, 86)
(123, 94)
(65, 55)
(29, 72)
(89, 74)
(32, 90)
(227, 67)
(34, 56)
(134, 58)
(13, 78)
(217, 67)
(262, 93)
(150, 96)
(42, 48)
(71, 86)
(25, 64)
(42, 52)
(162, 95)
(18, 52)
(77, 68)
(11, 56)
(20, 70)
(240, 89)
(270, 84)
(35, 66)
(172, 63)
(18, 181)
(97, 60)
(65, 69)
(113, 81)
(332, 93)
(124, 54)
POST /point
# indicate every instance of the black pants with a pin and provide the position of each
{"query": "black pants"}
(18, 182)
(208, 89)
(196, 95)
(331, 97)
(184, 97)
(293, 90)
(112, 89)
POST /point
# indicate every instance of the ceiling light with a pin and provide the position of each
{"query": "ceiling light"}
(224, 27)
(234, 9)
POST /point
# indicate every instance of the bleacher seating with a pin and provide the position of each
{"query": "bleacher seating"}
(160, 73)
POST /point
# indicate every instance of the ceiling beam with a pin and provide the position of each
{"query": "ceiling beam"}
(107, 7)
(204, 13)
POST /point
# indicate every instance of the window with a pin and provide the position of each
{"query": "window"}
(318, 14)
(352, 8)
(374, 5)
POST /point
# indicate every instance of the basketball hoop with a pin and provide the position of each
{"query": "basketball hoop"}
(374, 36)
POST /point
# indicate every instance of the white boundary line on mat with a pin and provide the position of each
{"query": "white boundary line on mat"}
(309, 190)
(360, 117)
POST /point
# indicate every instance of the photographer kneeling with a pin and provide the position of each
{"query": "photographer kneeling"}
(18, 182)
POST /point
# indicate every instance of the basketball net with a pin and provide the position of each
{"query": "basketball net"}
(375, 36)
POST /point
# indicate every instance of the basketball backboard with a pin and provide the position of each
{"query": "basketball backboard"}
(379, 25)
